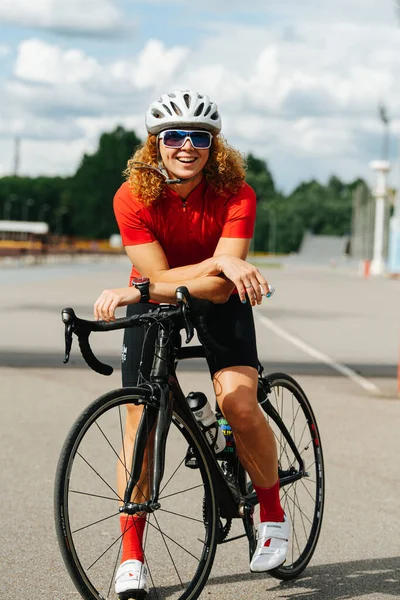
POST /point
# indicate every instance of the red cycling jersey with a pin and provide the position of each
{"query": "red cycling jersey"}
(187, 230)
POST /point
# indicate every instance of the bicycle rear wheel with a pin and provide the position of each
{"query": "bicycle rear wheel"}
(302, 500)
(179, 541)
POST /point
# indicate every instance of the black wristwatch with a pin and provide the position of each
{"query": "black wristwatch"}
(142, 284)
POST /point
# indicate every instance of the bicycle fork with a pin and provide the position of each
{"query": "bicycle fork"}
(160, 418)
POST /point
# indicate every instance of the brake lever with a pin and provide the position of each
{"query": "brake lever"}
(183, 299)
(67, 317)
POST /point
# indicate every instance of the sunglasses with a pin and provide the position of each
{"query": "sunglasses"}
(176, 138)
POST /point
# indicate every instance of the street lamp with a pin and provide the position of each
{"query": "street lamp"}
(382, 168)
(386, 121)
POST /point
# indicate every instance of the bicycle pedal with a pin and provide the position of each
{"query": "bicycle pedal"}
(134, 595)
(190, 459)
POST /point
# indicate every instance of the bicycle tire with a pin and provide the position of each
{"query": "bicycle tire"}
(69, 514)
(310, 492)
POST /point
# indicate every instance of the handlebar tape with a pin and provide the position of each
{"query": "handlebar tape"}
(90, 358)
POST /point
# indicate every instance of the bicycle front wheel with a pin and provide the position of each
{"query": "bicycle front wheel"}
(303, 499)
(180, 538)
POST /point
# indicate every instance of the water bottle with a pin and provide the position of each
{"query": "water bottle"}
(205, 416)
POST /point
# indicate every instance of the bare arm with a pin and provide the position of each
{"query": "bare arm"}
(213, 279)
(150, 261)
(216, 289)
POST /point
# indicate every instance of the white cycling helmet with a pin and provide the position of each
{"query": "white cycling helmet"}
(183, 108)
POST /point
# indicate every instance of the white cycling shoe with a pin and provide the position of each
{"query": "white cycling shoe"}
(272, 546)
(131, 580)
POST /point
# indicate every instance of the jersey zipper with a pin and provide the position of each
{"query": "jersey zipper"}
(184, 204)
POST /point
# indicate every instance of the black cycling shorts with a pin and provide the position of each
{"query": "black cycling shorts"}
(230, 324)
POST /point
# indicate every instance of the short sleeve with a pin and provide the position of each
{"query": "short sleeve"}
(130, 216)
(240, 214)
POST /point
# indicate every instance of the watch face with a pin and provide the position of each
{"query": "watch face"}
(139, 280)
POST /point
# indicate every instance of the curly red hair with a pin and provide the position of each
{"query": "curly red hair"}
(225, 170)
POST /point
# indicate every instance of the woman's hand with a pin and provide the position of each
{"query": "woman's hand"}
(107, 302)
(247, 278)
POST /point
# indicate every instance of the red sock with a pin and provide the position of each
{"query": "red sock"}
(270, 504)
(132, 529)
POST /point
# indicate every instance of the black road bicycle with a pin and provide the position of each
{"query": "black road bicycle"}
(188, 511)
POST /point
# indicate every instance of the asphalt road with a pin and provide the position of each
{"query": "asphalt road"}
(336, 333)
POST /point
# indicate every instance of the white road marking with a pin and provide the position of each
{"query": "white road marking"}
(324, 358)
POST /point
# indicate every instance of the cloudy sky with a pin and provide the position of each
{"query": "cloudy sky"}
(298, 83)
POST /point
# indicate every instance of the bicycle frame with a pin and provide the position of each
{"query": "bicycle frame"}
(165, 391)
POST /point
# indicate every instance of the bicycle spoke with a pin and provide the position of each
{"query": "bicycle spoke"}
(96, 522)
(168, 550)
(175, 542)
(115, 568)
(105, 551)
(195, 487)
(147, 560)
(178, 546)
(94, 495)
(306, 426)
(298, 508)
(301, 514)
(173, 474)
(122, 443)
(179, 515)
(98, 475)
(112, 447)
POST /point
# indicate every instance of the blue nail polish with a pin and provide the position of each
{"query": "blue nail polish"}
(244, 301)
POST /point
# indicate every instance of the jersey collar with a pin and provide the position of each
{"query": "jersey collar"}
(194, 194)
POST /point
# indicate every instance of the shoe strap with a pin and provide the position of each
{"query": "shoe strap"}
(272, 530)
(134, 566)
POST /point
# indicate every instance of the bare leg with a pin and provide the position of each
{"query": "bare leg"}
(236, 392)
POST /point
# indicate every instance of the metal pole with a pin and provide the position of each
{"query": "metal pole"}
(381, 167)
(17, 146)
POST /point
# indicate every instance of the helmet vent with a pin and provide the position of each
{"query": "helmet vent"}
(181, 109)
(176, 109)
(199, 110)
(167, 109)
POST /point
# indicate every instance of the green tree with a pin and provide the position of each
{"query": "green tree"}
(259, 177)
(92, 188)
(35, 198)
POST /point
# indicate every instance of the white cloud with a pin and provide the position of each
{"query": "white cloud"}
(301, 95)
(154, 66)
(74, 15)
(44, 63)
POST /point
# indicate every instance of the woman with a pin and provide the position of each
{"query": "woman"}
(186, 217)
